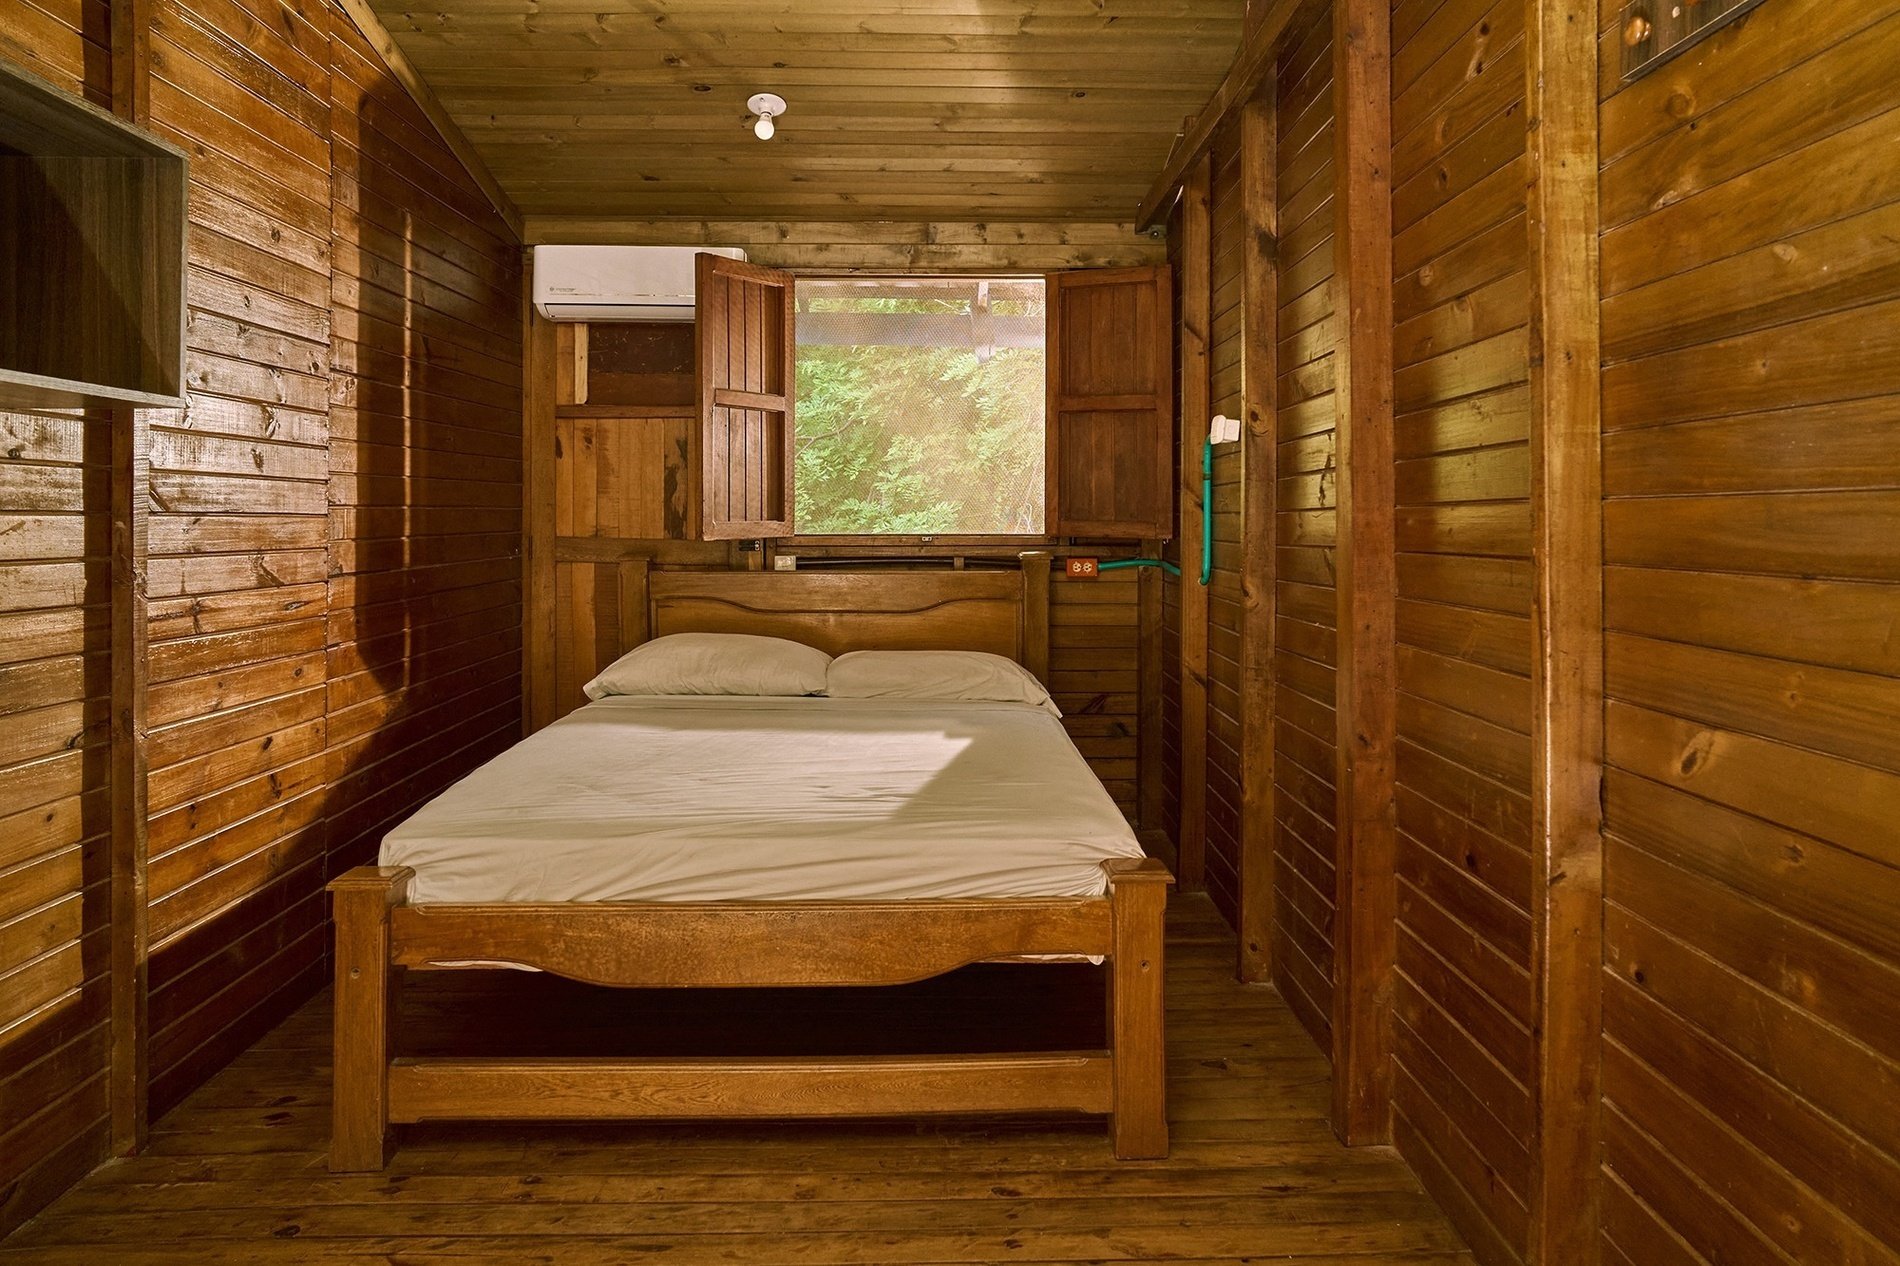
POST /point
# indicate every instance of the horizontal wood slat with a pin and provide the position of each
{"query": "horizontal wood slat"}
(663, 943)
(1749, 520)
(554, 1089)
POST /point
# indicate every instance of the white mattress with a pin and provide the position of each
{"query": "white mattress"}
(723, 799)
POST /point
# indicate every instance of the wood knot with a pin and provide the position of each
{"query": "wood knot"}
(1696, 754)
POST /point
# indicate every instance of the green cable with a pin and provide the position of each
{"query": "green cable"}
(1207, 511)
(1114, 564)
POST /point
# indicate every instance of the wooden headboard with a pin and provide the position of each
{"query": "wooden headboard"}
(1002, 612)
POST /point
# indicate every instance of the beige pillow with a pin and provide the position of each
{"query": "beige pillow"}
(935, 675)
(714, 664)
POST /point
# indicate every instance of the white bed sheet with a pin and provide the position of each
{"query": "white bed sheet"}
(731, 798)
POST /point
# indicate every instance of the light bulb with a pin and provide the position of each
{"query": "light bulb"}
(763, 129)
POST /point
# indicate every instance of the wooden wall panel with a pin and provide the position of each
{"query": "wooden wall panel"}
(54, 894)
(1750, 458)
(239, 532)
(1094, 670)
(1224, 600)
(68, 43)
(424, 620)
(334, 530)
(1462, 479)
(1303, 740)
(1171, 586)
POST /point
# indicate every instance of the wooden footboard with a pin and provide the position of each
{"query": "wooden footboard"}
(733, 944)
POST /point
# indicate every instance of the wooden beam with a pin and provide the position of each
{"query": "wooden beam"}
(1196, 317)
(773, 1087)
(818, 246)
(131, 29)
(1364, 934)
(362, 1037)
(364, 16)
(1150, 607)
(1035, 617)
(128, 449)
(1567, 620)
(1137, 1035)
(537, 512)
(1259, 338)
(1252, 63)
(759, 944)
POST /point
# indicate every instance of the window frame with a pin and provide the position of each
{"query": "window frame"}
(909, 543)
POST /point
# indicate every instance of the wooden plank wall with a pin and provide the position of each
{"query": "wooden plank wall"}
(1094, 672)
(1224, 602)
(334, 558)
(1305, 809)
(425, 462)
(1750, 296)
(1170, 771)
(55, 711)
(54, 889)
(1751, 386)
(68, 43)
(1462, 1113)
(239, 544)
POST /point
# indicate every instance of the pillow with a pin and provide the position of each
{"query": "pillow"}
(714, 664)
(934, 675)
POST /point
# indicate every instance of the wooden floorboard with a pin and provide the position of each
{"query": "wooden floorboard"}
(237, 1173)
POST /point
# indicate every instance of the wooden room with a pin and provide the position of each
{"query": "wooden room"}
(950, 631)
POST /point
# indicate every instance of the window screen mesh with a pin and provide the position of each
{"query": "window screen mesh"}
(920, 405)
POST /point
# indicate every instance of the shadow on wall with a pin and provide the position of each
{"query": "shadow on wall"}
(420, 662)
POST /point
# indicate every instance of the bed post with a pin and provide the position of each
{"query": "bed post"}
(636, 602)
(1035, 626)
(364, 1023)
(1138, 897)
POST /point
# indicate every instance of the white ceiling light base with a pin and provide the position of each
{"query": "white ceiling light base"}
(767, 106)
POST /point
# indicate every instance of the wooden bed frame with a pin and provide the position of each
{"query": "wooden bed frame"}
(738, 944)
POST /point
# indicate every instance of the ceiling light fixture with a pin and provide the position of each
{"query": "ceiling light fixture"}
(767, 106)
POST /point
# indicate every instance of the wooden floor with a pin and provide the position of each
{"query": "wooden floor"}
(237, 1173)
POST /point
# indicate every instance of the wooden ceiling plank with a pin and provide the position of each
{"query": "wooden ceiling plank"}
(1249, 67)
(901, 109)
(370, 24)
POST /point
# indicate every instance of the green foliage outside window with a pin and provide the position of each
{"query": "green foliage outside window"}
(895, 437)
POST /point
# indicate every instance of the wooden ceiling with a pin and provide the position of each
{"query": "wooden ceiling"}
(898, 109)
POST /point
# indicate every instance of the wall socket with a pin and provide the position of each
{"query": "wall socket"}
(1082, 568)
(784, 562)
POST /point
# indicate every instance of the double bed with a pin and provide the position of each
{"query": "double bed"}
(730, 841)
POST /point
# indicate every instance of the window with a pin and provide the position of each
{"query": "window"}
(920, 405)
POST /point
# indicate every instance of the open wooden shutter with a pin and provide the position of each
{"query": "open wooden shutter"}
(1111, 403)
(747, 384)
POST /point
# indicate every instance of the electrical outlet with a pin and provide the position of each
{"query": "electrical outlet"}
(784, 562)
(1083, 568)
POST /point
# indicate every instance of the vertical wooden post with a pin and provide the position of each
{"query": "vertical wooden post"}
(570, 362)
(1560, 48)
(1036, 614)
(1148, 758)
(1364, 935)
(1138, 897)
(363, 1033)
(1260, 311)
(129, 451)
(1197, 302)
(126, 783)
(635, 593)
(537, 510)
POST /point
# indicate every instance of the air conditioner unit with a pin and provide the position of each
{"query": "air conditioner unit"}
(618, 283)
